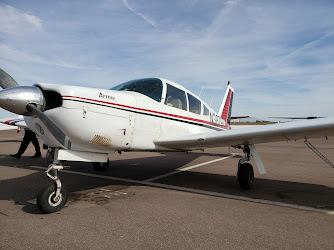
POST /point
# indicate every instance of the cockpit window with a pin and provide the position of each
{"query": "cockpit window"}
(151, 87)
(205, 110)
(194, 104)
(176, 98)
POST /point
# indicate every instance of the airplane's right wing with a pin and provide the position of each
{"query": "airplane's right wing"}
(322, 127)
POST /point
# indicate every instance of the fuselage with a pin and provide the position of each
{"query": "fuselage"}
(129, 117)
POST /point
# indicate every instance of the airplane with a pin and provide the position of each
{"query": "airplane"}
(149, 114)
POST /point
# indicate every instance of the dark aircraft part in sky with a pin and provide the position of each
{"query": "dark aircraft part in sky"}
(6, 81)
(299, 118)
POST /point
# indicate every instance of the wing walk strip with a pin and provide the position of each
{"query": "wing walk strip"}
(197, 191)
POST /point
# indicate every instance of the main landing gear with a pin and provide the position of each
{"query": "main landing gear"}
(101, 166)
(52, 197)
(245, 170)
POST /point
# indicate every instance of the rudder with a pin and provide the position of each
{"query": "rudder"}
(226, 107)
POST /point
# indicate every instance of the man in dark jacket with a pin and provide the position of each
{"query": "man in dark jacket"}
(29, 136)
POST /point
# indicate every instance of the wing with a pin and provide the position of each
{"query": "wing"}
(258, 134)
(298, 118)
(12, 123)
(239, 117)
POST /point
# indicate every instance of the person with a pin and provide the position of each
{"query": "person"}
(29, 136)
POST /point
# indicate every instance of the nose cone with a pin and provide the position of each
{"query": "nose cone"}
(16, 99)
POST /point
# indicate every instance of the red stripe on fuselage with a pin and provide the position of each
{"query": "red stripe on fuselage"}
(147, 110)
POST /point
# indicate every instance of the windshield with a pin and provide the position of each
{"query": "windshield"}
(151, 87)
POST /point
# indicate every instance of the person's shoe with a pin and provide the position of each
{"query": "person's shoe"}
(36, 156)
(16, 156)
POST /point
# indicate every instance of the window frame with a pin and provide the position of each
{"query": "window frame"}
(183, 96)
(205, 108)
(190, 103)
(139, 82)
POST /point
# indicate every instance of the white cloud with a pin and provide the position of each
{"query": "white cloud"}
(8, 53)
(14, 21)
(147, 19)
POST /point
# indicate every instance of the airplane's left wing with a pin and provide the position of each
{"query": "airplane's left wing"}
(12, 123)
(322, 127)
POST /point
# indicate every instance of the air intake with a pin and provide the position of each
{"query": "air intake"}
(101, 140)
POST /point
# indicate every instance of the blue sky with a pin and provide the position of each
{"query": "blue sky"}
(278, 55)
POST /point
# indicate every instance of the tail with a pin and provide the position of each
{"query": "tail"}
(226, 107)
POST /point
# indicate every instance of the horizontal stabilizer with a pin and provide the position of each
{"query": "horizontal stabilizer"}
(299, 118)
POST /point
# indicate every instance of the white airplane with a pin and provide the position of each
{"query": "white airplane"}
(152, 114)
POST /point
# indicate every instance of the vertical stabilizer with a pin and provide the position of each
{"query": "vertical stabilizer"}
(226, 107)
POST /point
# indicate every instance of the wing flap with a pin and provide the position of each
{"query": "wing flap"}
(260, 134)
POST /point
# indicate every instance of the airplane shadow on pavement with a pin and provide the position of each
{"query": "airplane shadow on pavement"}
(24, 189)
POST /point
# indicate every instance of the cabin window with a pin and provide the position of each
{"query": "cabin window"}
(176, 98)
(151, 87)
(194, 104)
(205, 110)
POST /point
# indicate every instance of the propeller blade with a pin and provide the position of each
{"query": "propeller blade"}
(52, 127)
(6, 81)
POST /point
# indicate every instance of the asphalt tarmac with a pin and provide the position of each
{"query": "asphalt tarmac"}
(172, 201)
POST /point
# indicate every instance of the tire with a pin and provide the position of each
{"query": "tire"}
(45, 202)
(101, 166)
(246, 176)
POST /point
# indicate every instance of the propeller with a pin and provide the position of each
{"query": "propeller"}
(6, 81)
(52, 127)
(28, 101)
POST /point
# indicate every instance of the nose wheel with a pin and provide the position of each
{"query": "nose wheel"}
(53, 197)
(48, 201)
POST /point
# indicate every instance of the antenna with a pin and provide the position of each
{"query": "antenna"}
(201, 90)
(211, 101)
